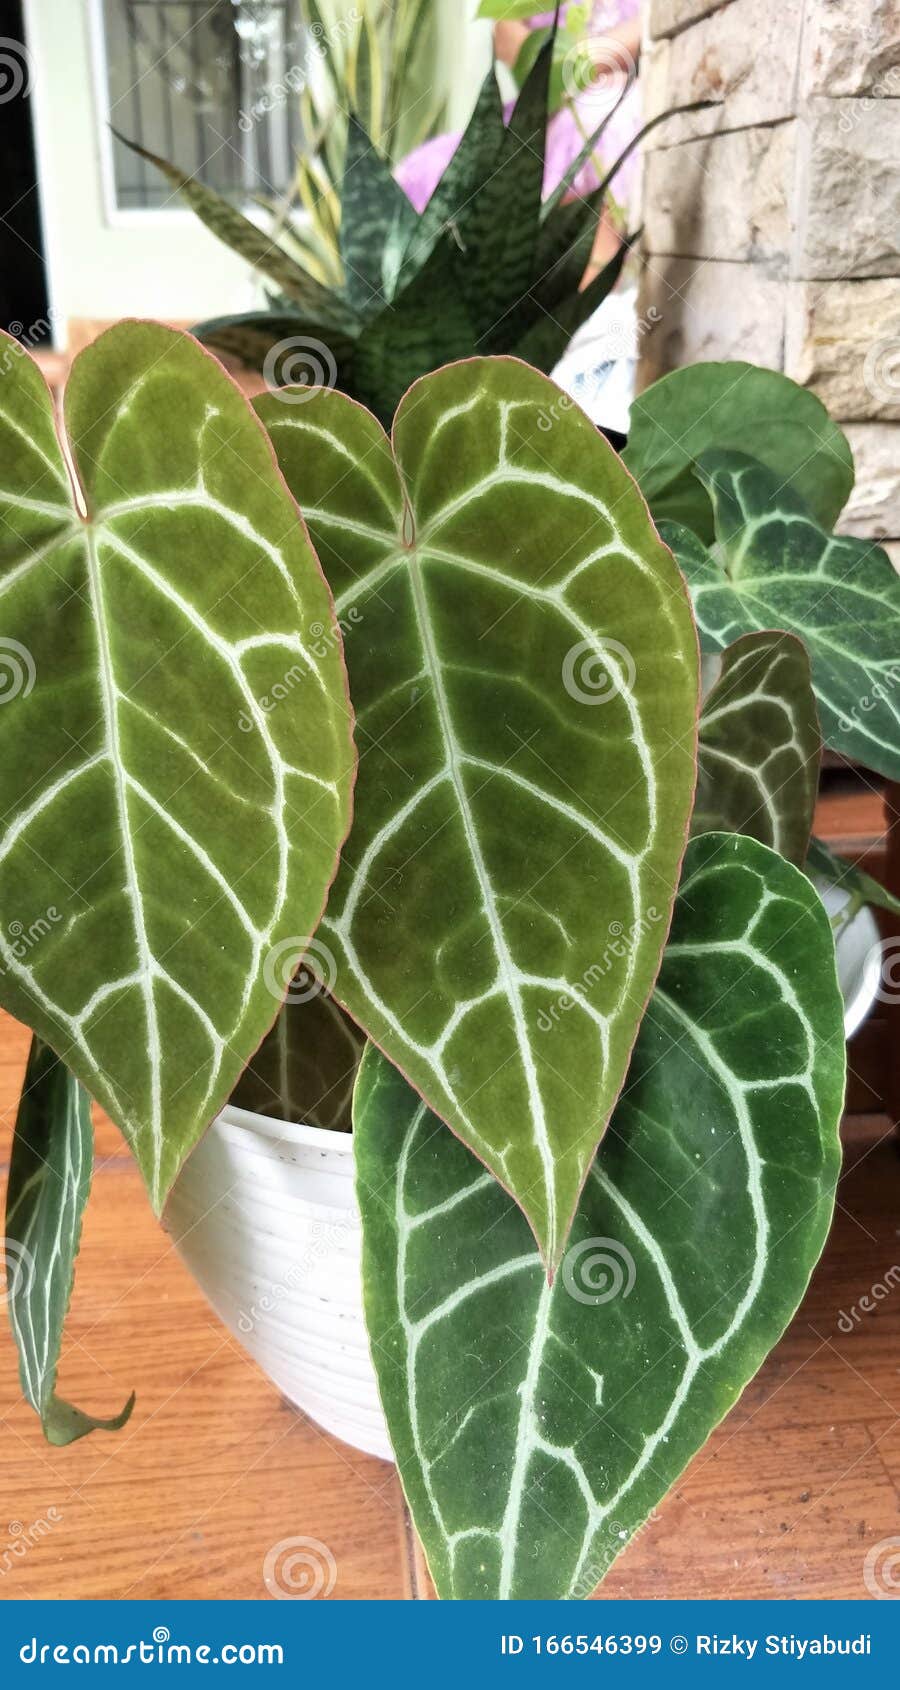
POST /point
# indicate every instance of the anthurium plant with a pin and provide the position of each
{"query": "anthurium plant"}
(420, 713)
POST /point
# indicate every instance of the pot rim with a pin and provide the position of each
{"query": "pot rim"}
(295, 1132)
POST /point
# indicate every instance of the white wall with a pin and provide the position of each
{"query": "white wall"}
(103, 263)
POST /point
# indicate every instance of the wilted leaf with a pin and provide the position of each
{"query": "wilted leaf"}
(48, 1186)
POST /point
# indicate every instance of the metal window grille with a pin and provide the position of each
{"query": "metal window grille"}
(211, 85)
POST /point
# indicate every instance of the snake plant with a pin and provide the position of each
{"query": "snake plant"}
(489, 266)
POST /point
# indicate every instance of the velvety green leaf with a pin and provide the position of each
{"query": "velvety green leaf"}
(176, 768)
(760, 746)
(523, 664)
(735, 406)
(377, 221)
(774, 567)
(243, 237)
(49, 1183)
(305, 1067)
(536, 1426)
(822, 864)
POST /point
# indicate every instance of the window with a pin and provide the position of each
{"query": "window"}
(211, 85)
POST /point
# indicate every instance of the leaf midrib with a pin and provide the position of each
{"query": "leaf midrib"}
(504, 957)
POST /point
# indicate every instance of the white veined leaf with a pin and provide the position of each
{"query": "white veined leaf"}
(177, 755)
(48, 1186)
(535, 1426)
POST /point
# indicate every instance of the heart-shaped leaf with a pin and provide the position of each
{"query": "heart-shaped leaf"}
(535, 1427)
(48, 1186)
(524, 670)
(739, 407)
(760, 746)
(176, 766)
(774, 567)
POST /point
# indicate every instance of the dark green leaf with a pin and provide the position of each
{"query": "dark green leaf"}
(536, 1427)
(735, 406)
(774, 567)
(760, 746)
(377, 221)
(305, 1067)
(862, 888)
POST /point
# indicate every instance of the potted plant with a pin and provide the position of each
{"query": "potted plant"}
(595, 1123)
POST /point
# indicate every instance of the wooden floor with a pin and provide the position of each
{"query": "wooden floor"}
(214, 1470)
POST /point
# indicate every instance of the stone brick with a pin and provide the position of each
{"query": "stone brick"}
(702, 310)
(842, 340)
(852, 47)
(725, 196)
(874, 507)
(848, 189)
(667, 17)
(743, 57)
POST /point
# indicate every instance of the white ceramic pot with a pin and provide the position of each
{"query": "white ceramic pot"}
(264, 1214)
